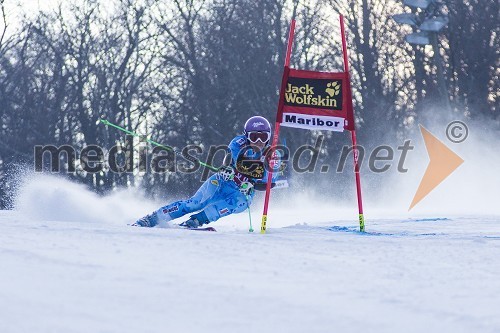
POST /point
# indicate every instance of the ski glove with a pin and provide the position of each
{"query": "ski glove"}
(226, 172)
(246, 188)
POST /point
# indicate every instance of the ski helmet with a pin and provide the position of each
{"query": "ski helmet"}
(257, 128)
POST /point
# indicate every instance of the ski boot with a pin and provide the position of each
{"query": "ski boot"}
(148, 221)
(195, 221)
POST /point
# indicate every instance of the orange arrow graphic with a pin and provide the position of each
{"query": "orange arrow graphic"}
(443, 161)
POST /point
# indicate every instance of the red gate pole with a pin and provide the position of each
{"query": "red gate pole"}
(353, 131)
(277, 124)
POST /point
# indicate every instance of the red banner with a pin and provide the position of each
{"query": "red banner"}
(315, 101)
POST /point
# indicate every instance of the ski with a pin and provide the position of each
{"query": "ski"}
(202, 229)
(183, 227)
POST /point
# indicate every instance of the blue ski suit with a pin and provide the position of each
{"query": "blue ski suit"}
(217, 197)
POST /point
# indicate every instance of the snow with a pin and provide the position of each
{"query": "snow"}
(69, 264)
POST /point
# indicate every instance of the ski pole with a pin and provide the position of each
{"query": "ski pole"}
(107, 123)
(249, 216)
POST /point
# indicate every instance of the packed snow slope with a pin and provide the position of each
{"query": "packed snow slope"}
(70, 263)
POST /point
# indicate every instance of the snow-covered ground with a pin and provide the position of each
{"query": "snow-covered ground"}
(72, 265)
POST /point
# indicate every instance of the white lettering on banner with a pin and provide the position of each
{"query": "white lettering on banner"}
(310, 122)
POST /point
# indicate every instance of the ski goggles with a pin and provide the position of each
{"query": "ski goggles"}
(263, 137)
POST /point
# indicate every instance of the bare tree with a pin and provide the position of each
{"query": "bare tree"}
(472, 54)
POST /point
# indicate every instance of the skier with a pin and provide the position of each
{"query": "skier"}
(232, 188)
